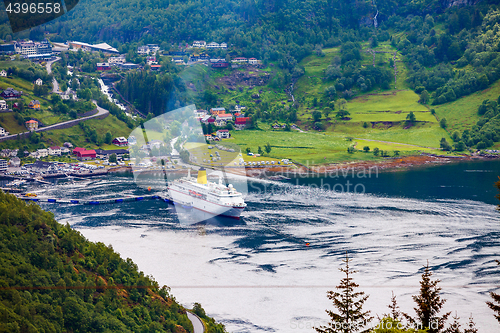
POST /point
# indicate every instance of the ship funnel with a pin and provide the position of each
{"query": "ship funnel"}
(202, 176)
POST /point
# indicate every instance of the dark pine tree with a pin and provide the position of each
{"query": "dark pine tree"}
(495, 304)
(394, 307)
(455, 326)
(471, 326)
(429, 303)
(349, 304)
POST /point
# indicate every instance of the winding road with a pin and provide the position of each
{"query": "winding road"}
(48, 65)
(196, 321)
(100, 112)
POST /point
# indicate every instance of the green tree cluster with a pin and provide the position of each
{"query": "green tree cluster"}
(54, 280)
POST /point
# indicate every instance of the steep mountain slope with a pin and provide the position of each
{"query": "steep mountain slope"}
(53, 280)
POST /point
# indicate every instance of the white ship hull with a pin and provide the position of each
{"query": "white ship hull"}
(186, 200)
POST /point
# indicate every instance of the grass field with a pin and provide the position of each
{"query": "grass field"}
(310, 147)
(392, 146)
(15, 63)
(394, 100)
(77, 137)
(9, 123)
(462, 113)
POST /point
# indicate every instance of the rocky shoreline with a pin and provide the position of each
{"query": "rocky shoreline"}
(387, 165)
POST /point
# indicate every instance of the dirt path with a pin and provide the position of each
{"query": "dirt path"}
(395, 143)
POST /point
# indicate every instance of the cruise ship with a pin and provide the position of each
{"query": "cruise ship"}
(210, 197)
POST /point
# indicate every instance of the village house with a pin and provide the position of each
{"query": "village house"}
(242, 122)
(239, 60)
(15, 162)
(253, 61)
(223, 45)
(84, 155)
(3, 105)
(10, 93)
(103, 66)
(42, 166)
(199, 43)
(216, 111)
(116, 60)
(223, 134)
(239, 108)
(42, 152)
(120, 141)
(55, 151)
(104, 154)
(213, 45)
(65, 150)
(3, 73)
(151, 60)
(69, 94)
(209, 137)
(68, 144)
(153, 47)
(34, 104)
(142, 50)
(3, 132)
(156, 144)
(222, 119)
(32, 125)
(205, 119)
(8, 152)
(38, 82)
(199, 114)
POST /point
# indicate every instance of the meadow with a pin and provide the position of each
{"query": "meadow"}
(462, 113)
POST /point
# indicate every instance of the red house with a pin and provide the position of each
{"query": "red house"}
(242, 122)
(86, 155)
(77, 150)
(103, 66)
(120, 141)
(222, 64)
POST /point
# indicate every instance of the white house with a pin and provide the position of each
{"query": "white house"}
(120, 141)
(239, 108)
(199, 43)
(43, 152)
(143, 50)
(223, 45)
(55, 151)
(3, 132)
(116, 60)
(213, 45)
(223, 134)
(38, 82)
(156, 144)
(153, 47)
(253, 61)
(199, 114)
(15, 162)
(3, 105)
(240, 60)
(3, 73)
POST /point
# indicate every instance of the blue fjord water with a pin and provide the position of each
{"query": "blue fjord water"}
(269, 271)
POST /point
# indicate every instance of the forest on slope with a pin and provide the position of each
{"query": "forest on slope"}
(53, 280)
(451, 47)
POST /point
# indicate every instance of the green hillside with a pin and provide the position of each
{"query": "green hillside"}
(53, 280)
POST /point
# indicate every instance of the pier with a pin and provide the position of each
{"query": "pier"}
(163, 197)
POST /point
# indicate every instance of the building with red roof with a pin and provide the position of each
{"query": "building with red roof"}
(86, 155)
(78, 149)
(242, 122)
